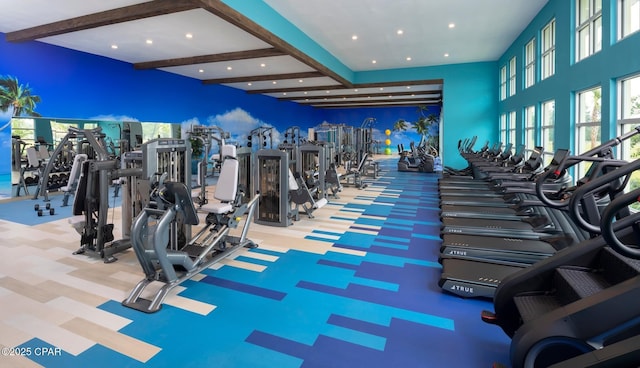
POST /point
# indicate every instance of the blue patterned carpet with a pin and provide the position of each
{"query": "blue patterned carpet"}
(382, 309)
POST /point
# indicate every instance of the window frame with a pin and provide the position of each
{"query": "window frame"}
(512, 76)
(503, 83)
(623, 32)
(503, 127)
(591, 26)
(583, 126)
(530, 63)
(512, 128)
(548, 50)
(547, 128)
(530, 125)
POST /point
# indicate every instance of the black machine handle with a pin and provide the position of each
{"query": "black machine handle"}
(553, 170)
(610, 224)
(601, 153)
(598, 184)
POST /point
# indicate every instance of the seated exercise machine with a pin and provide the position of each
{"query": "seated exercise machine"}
(353, 175)
(159, 250)
(72, 184)
(578, 308)
(300, 196)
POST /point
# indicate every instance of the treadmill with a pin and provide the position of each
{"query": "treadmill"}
(479, 277)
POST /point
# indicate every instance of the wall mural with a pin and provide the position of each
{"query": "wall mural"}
(237, 122)
(16, 99)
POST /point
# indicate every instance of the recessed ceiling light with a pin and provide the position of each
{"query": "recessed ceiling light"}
(274, 82)
(355, 90)
(263, 65)
(249, 84)
(399, 31)
(408, 58)
(408, 87)
(189, 35)
(354, 37)
(446, 55)
(452, 25)
(300, 80)
(328, 91)
(305, 92)
(149, 42)
(381, 88)
(229, 68)
(114, 46)
(200, 70)
(284, 93)
(390, 96)
(373, 61)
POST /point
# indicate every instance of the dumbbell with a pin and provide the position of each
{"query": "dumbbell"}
(52, 211)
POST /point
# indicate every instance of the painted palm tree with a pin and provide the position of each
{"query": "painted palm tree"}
(400, 126)
(427, 126)
(13, 94)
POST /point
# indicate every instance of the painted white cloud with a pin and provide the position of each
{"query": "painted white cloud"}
(186, 126)
(111, 117)
(239, 123)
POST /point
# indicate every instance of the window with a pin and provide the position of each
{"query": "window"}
(503, 128)
(25, 129)
(59, 131)
(589, 31)
(503, 82)
(530, 127)
(628, 119)
(588, 124)
(629, 115)
(530, 63)
(547, 122)
(512, 128)
(549, 50)
(156, 130)
(629, 16)
(512, 76)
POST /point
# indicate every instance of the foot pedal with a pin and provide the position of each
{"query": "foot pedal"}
(489, 317)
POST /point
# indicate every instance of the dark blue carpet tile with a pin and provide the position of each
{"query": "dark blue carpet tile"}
(238, 286)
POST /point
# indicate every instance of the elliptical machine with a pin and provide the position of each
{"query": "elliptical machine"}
(580, 303)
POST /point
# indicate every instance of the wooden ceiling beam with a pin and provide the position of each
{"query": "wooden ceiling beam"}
(213, 58)
(262, 78)
(224, 11)
(379, 105)
(293, 89)
(105, 18)
(399, 83)
(421, 94)
(417, 101)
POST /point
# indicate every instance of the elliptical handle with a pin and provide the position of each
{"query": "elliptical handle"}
(595, 185)
(610, 224)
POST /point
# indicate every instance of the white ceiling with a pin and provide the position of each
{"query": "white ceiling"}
(483, 30)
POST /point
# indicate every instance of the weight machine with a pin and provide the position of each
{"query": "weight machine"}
(279, 188)
(162, 259)
(264, 137)
(140, 171)
(341, 136)
(206, 135)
